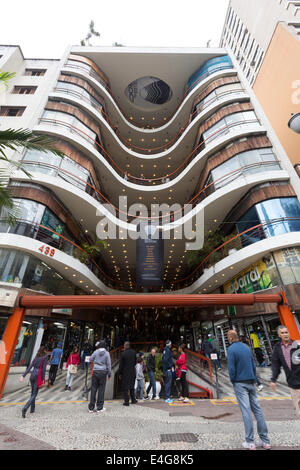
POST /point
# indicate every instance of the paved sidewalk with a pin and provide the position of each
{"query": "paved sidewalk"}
(215, 424)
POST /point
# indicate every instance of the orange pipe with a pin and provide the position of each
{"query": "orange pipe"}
(287, 318)
(10, 339)
(145, 300)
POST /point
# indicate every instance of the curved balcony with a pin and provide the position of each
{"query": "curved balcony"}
(215, 140)
(101, 86)
(238, 252)
(56, 247)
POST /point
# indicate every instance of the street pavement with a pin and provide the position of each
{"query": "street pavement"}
(62, 422)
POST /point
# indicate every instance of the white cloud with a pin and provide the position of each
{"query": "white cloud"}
(44, 29)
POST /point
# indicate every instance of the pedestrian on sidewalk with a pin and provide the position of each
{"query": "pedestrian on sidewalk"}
(151, 369)
(54, 363)
(85, 351)
(181, 372)
(168, 367)
(101, 370)
(139, 375)
(242, 373)
(246, 341)
(127, 373)
(72, 367)
(37, 378)
(286, 354)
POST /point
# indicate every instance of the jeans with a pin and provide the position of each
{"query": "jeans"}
(168, 384)
(152, 383)
(69, 379)
(247, 400)
(34, 392)
(139, 388)
(52, 373)
(98, 385)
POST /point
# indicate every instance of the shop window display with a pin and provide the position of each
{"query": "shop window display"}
(288, 263)
(54, 332)
(25, 344)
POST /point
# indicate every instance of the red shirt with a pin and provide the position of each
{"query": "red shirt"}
(181, 362)
(75, 359)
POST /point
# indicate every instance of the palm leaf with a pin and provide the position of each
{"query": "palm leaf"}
(24, 138)
(5, 77)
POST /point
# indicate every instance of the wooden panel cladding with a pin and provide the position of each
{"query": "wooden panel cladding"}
(46, 198)
(69, 109)
(79, 158)
(251, 143)
(221, 113)
(259, 194)
(85, 60)
(215, 84)
(83, 84)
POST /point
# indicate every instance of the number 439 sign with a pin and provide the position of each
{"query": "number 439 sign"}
(47, 250)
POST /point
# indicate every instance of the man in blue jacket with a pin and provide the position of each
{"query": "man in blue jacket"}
(242, 373)
(168, 365)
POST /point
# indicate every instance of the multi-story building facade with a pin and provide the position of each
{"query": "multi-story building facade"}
(263, 37)
(159, 126)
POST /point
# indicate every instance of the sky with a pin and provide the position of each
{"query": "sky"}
(45, 29)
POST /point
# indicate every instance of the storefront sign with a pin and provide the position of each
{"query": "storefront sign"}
(257, 277)
(62, 311)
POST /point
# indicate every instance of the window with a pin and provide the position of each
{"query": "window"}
(270, 212)
(12, 111)
(63, 119)
(35, 72)
(249, 162)
(235, 120)
(24, 90)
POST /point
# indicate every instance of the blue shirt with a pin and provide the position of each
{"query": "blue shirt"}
(241, 366)
(56, 355)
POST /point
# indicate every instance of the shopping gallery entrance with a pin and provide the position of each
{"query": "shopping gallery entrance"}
(147, 302)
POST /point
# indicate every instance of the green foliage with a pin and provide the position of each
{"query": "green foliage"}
(212, 241)
(90, 250)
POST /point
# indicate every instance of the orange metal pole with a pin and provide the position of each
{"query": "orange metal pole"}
(9, 342)
(145, 300)
(287, 318)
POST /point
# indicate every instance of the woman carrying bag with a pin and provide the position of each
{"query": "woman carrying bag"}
(37, 378)
(72, 367)
(181, 374)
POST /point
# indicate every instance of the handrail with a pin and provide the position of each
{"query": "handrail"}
(96, 194)
(99, 107)
(127, 175)
(256, 230)
(38, 231)
(201, 358)
(108, 89)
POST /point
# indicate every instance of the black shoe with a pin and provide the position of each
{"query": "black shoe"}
(69, 388)
(66, 387)
(134, 402)
(125, 404)
(32, 411)
(24, 413)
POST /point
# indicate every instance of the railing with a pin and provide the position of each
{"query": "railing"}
(241, 240)
(92, 73)
(67, 176)
(137, 179)
(82, 96)
(196, 359)
(152, 150)
(57, 241)
(89, 71)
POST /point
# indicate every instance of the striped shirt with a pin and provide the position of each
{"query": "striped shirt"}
(286, 351)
